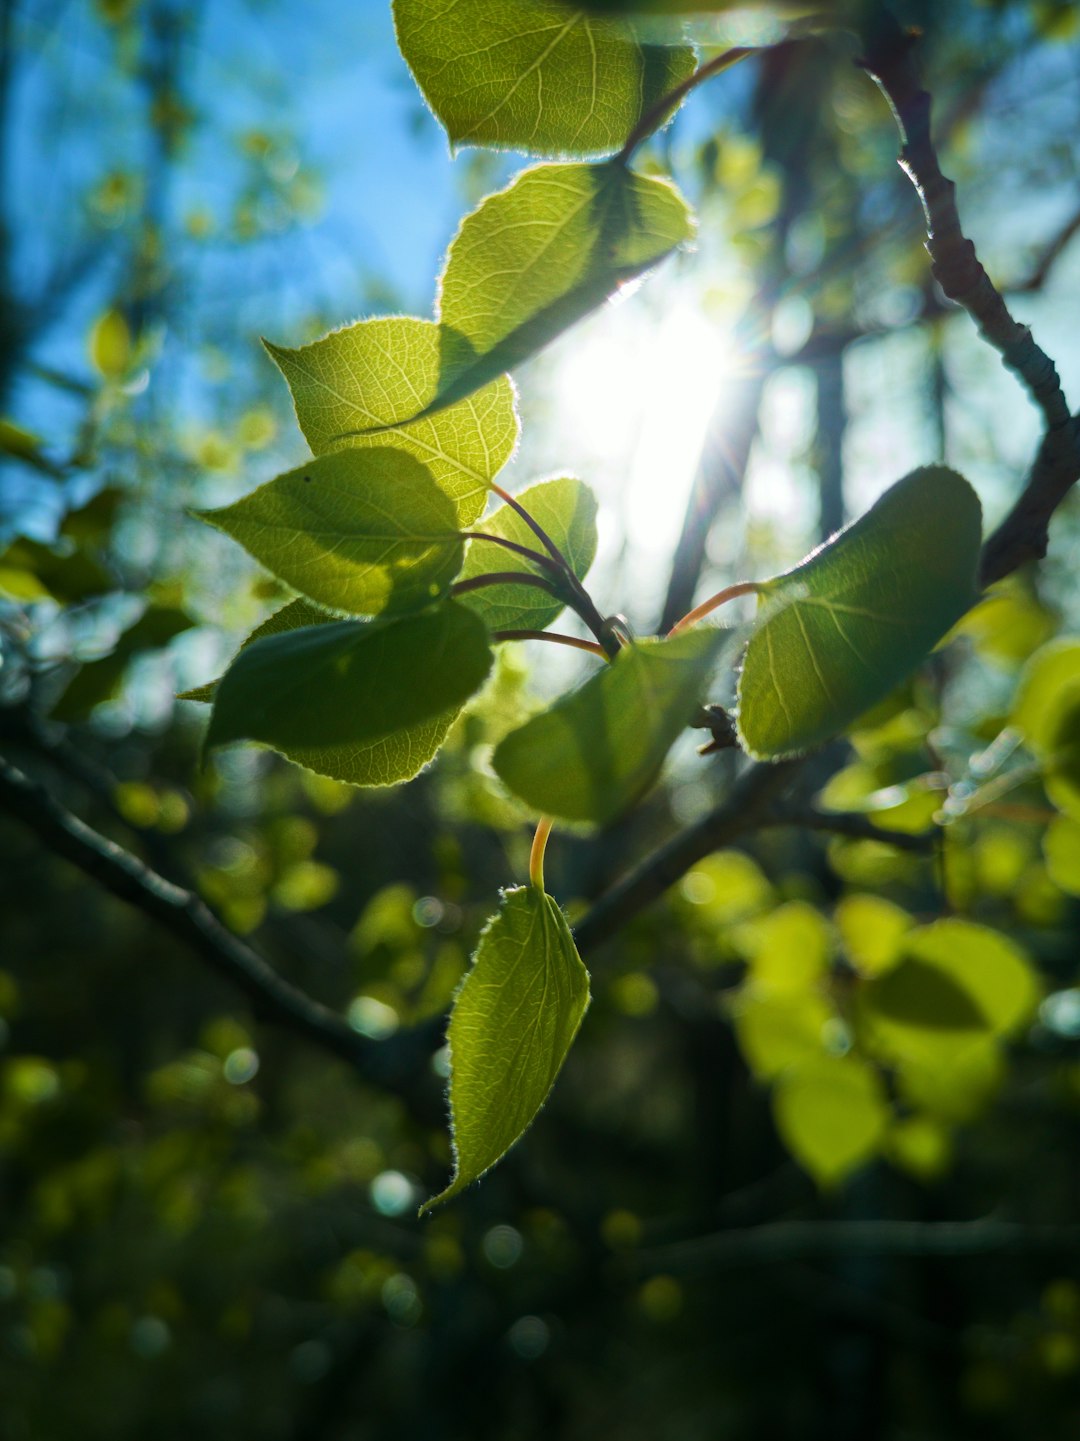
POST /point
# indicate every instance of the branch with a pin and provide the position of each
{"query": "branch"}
(392, 1066)
(741, 811)
(753, 804)
(1023, 535)
(890, 62)
(782, 1241)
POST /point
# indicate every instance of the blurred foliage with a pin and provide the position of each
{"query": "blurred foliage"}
(209, 1226)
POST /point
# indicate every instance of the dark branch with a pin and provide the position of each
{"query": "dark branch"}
(783, 1241)
(391, 1064)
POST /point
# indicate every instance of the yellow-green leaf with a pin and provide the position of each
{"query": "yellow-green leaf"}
(832, 1115)
(514, 1019)
(534, 75)
(534, 258)
(361, 530)
(366, 384)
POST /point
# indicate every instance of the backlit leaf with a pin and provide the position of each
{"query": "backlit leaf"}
(566, 510)
(956, 984)
(854, 618)
(1045, 684)
(515, 1016)
(361, 530)
(534, 258)
(831, 1113)
(596, 750)
(364, 702)
(1061, 846)
(534, 75)
(365, 385)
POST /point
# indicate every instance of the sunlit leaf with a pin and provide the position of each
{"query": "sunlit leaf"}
(515, 1016)
(596, 750)
(535, 257)
(566, 510)
(365, 384)
(534, 75)
(872, 930)
(1045, 685)
(848, 623)
(775, 1031)
(956, 983)
(831, 1113)
(1061, 847)
(110, 345)
(364, 702)
(787, 949)
(362, 530)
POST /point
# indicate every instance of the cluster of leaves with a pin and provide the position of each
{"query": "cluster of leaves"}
(363, 674)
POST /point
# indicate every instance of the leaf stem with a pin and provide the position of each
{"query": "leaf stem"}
(580, 600)
(592, 646)
(523, 550)
(536, 855)
(652, 120)
(507, 577)
(730, 592)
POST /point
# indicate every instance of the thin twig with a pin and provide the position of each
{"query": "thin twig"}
(592, 646)
(890, 63)
(389, 1064)
(544, 561)
(507, 577)
(783, 1241)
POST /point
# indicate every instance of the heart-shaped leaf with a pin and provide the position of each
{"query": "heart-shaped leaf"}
(566, 510)
(534, 75)
(596, 750)
(852, 620)
(362, 530)
(514, 1019)
(534, 258)
(366, 384)
(364, 702)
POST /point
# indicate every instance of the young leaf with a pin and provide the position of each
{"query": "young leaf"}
(853, 619)
(534, 258)
(566, 510)
(364, 702)
(597, 749)
(831, 1112)
(366, 531)
(514, 1019)
(534, 75)
(365, 385)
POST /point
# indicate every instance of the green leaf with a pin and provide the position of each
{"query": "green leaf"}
(1061, 847)
(956, 984)
(566, 510)
(534, 258)
(832, 1114)
(533, 74)
(366, 384)
(1061, 765)
(1045, 685)
(514, 1019)
(294, 616)
(365, 531)
(364, 702)
(854, 618)
(596, 750)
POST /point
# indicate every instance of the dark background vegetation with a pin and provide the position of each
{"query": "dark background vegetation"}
(207, 1224)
